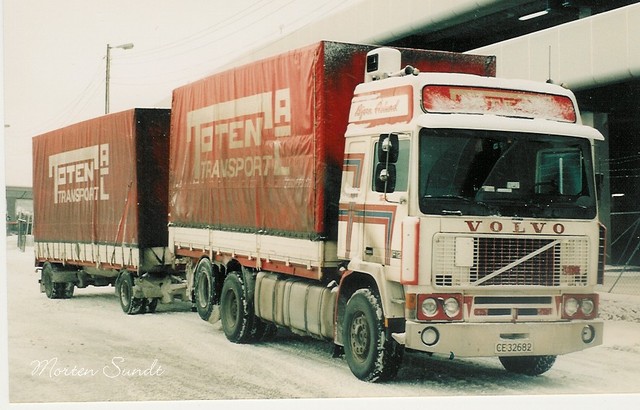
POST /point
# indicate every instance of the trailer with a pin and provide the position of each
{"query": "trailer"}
(101, 206)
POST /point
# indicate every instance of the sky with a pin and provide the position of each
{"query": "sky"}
(54, 56)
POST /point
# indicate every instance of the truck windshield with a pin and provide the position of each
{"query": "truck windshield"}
(477, 172)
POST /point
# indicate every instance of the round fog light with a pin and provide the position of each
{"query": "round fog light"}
(588, 334)
(430, 336)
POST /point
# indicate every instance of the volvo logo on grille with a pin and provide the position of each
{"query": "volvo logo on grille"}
(516, 227)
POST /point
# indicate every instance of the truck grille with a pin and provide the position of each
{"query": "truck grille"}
(509, 261)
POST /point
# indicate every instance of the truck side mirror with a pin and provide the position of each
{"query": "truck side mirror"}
(388, 148)
(385, 178)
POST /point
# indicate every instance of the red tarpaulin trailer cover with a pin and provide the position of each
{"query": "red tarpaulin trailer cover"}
(103, 181)
(259, 148)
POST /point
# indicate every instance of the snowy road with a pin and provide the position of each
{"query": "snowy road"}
(86, 349)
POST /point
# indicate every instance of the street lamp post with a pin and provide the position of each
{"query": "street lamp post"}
(126, 46)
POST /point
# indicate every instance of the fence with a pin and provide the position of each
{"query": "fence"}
(623, 273)
(24, 226)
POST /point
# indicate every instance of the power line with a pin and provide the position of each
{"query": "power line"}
(219, 56)
(204, 33)
(73, 107)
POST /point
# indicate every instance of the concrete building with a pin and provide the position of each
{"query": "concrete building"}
(19, 204)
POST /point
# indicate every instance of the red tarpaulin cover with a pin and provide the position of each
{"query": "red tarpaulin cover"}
(259, 148)
(103, 180)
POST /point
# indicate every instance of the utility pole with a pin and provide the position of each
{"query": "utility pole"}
(126, 46)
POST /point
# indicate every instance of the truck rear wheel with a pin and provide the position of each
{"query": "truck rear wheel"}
(529, 365)
(204, 289)
(370, 355)
(263, 331)
(129, 304)
(55, 290)
(235, 313)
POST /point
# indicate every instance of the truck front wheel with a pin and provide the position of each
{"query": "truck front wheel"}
(370, 355)
(529, 365)
(235, 314)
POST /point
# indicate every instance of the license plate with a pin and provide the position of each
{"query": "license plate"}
(514, 347)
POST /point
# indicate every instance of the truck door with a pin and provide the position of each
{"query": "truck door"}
(385, 211)
(355, 174)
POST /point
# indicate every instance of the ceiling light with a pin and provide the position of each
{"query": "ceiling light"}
(533, 15)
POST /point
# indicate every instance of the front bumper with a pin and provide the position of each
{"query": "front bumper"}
(501, 339)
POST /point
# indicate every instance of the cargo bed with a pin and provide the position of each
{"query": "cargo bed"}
(100, 193)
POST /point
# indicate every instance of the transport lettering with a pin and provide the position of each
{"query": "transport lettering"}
(237, 124)
(78, 175)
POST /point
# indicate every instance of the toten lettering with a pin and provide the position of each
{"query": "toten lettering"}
(79, 175)
(220, 131)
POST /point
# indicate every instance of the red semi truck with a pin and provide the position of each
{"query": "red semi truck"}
(331, 192)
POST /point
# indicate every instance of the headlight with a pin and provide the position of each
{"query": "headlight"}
(587, 306)
(451, 307)
(429, 307)
(571, 306)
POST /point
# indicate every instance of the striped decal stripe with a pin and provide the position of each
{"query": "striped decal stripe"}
(353, 163)
(384, 215)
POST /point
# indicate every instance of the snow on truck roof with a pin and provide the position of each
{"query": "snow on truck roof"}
(447, 99)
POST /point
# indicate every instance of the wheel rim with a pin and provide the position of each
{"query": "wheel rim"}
(203, 290)
(48, 283)
(125, 294)
(359, 339)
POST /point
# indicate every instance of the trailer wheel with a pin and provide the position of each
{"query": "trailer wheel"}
(371, 357)
(129, 304)
(528, 365)
(235, 314)
(204, 289)
(67, 290)
(152, 305)
(55, 290)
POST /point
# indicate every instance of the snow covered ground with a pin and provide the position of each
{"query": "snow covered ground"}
(86, 350)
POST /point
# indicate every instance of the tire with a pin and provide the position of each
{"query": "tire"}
(235, 313)
(152, 305)
(47, 281)
(528, 365)
(263, 331)
(204, 289)
(55, 290)
(67, 290)
(370, 356)
(129, 304)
